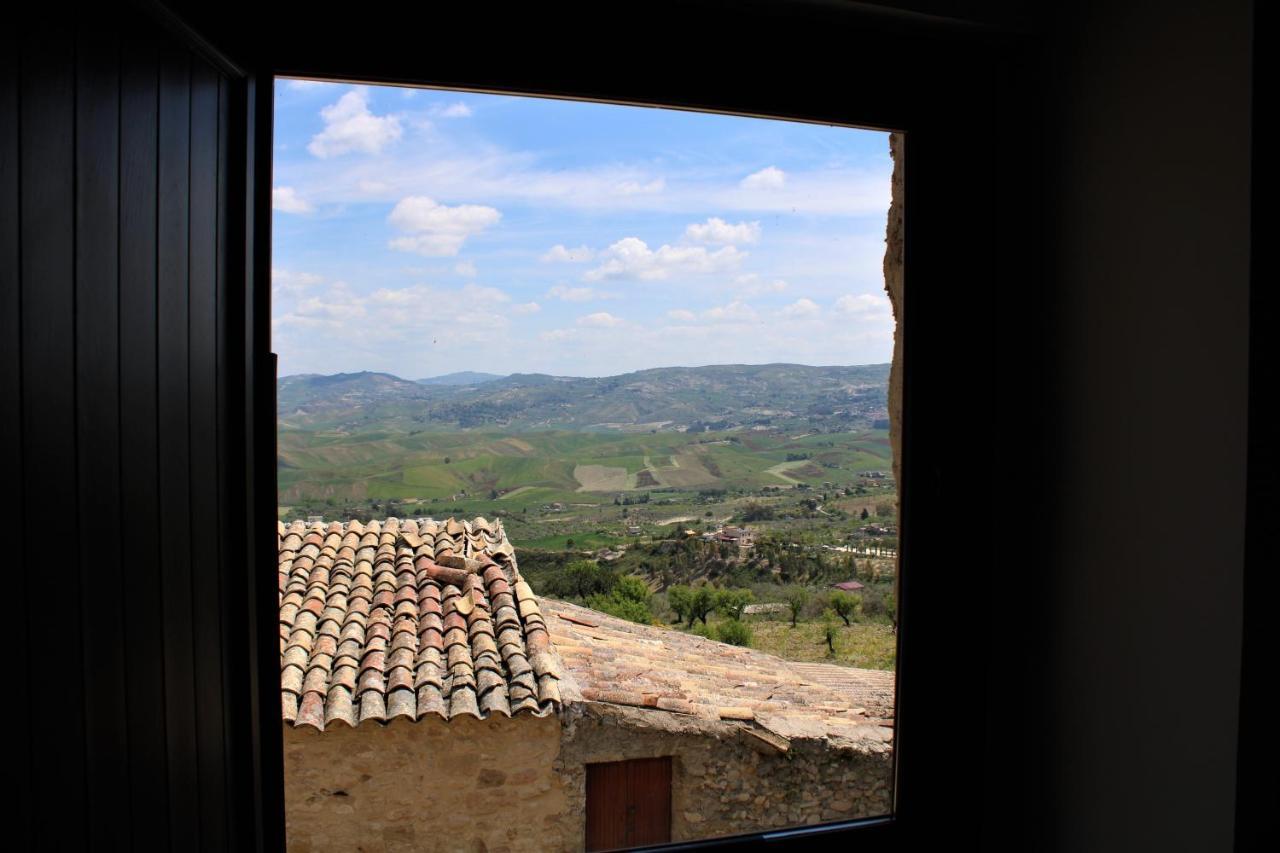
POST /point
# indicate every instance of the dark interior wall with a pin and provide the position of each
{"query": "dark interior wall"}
(1147, 156)
(122, 248)
(1080, 182)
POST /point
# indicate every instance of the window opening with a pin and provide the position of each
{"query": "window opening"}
(587, 487)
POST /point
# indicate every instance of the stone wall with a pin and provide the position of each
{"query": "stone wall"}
(467, 785)
(724, 781)
(893, 275)
(520, 785)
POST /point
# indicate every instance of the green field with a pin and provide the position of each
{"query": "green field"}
(532, 469)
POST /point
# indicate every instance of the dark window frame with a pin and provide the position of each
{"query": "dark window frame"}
(947, 84)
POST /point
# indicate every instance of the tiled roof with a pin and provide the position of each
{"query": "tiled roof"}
(623, 663)
(407, 619)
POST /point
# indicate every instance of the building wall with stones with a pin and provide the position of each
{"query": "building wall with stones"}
(520, 784)
(725, 781)
(465, 785)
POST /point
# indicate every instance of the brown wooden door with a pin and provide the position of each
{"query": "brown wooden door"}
(628, 803)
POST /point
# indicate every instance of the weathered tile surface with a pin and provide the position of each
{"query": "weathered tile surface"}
(406, 619)
(619, 662)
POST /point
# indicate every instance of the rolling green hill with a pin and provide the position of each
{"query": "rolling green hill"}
(672, 399)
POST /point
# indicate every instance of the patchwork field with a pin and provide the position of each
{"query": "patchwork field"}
(537, 468)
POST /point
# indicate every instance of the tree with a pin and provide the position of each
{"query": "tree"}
(447, 460)
(830, 631)
(756, 511)
(846, 606)
(865, 515)
(585, 578)
(731, 602)
(629, 599)
(632, 588)
(797, 598)
(680, 600)
(702, 603)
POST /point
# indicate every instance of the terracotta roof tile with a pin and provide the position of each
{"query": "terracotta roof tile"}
(618, 662)
(405, 619)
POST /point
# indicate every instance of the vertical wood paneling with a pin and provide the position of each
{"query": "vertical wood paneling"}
(98, 430)
(47, 212)
(11, 368)
(649, 806)
(628, 803)
(140, 507)
(124, 291)
(206, 545)
(606, 806)
(174, 445)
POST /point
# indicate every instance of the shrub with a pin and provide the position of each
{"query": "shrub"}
(731, 602)
(629, 599)
(632, 588)
(586, 578)
(579, 579)
(623, 608)
(873, 603)
(733, 632)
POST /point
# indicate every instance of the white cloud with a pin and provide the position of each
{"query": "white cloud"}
(559, 254)
(578, 294)
(526, 308)
(750, 284)
(600, 320)
(392, 316)
(437, 230)
(454, 110)
(631, 257)
(476, 294)
(287, 200)
(864, 305)
(657, 185)
(735, 312)
(558, 335)
(682, 315)
(349, 126)
(290, 283)
(801, 308)
(716, 230)
(465, 268)
(334, 309)
(768, 178)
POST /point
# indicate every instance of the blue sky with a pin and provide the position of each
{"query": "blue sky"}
(421, 232)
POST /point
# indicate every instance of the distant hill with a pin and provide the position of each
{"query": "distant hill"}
(462, 377)
(715, 397)
(313, 393)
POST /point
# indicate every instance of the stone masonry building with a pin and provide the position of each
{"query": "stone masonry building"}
(426, 691)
